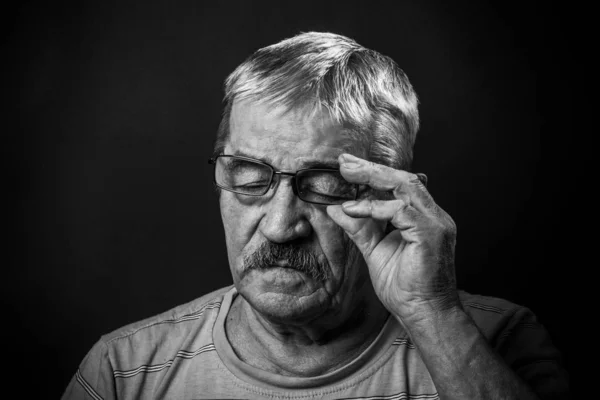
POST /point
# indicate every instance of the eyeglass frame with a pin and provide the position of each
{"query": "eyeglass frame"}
(275, 171)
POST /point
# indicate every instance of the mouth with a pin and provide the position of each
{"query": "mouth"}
(284, 263)
(285, 267)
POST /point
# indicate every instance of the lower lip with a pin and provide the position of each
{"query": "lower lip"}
(282, 264)
(283, 276)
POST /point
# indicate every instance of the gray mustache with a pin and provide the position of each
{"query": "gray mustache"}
(298, 258)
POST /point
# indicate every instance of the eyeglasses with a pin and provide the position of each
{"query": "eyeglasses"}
(251, 177)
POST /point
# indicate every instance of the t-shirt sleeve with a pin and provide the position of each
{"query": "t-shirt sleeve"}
(526, 347)
(94, 377)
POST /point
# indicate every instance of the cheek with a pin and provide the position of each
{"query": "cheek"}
(334, 244)
(237, 225)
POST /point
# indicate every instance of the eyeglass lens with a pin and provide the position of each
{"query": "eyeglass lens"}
(243, 176)
(254, 179)
(325, 187)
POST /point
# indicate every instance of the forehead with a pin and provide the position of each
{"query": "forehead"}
(283, 135)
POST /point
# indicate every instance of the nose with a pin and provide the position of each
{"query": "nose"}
(285, 215)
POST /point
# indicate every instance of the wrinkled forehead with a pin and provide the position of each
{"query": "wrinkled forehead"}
(278, 131)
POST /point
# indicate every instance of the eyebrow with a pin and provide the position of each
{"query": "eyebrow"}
(321, 164)
(244, 154)
(334, 164)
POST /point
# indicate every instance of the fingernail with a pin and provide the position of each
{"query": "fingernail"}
(351, 165)
(350, 161)
(350, 204)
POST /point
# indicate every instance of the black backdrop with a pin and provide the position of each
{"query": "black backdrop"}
(114, 107)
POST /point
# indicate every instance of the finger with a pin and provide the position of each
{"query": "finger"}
(397, 212)
(422, 177)
(366, 233)
(378, 209)
(403, 184)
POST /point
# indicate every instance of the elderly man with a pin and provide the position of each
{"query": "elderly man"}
(342, 262)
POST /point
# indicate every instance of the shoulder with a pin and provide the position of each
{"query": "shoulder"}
(477, 304)
(488, 303)
(520, 339)
(200, 309)
(512, 329)
(186, 328)
(149, 345)
(496, 316)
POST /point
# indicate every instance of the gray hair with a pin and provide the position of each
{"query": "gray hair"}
(360, 88)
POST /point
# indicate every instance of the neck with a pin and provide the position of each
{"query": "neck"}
(308, 348)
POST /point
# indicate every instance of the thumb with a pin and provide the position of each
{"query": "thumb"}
(366, 233)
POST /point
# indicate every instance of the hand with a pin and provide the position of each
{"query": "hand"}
(407, 241)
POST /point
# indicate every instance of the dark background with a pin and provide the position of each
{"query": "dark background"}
(113, 111)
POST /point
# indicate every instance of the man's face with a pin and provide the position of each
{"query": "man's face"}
(288, 140)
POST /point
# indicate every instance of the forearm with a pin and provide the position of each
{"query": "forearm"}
(461, 362)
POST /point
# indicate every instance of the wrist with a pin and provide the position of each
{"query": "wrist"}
(429, 311)
(433, 320)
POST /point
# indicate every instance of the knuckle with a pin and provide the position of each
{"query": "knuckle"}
(397, 220)
(370, 165)
(438, 225)
(400, 208)
(446, 219)
(401, 204)
(451, 225)
(414, 179)
(448, 230)
(370, 204)
(400, 192)
(422, 179)
(378, 203)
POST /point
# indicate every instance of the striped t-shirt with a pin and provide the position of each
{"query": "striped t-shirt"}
(184, 354)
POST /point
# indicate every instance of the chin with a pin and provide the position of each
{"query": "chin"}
(285, 308)
(279, 302)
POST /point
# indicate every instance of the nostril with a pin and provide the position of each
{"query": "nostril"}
(302, 228)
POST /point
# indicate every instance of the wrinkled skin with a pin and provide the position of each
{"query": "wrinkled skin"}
(411, 266)
(292, 325)
(289, 141)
